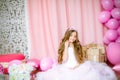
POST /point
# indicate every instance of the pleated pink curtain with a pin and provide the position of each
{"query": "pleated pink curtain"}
(48, 20)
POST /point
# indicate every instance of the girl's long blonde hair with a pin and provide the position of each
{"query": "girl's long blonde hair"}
(77, 47)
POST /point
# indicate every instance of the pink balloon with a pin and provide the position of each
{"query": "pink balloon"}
(104, 16)
(112, 24)
(113, 53)
(118, 30)
(117, 67)
(107, 4)
(34, 62)
(116, 13)
(117, 3)
(111, 35)
(105, 40)
(54, 62)
(118, 40)
(17, 62)
(46, 63)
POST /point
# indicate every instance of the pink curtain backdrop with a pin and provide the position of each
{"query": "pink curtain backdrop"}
(48, 20)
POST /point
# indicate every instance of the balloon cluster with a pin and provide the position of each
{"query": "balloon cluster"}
(43, 64)
(110, 18)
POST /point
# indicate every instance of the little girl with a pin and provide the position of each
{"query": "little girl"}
(71, 65)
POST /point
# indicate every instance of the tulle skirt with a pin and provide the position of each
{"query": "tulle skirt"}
(86, 71)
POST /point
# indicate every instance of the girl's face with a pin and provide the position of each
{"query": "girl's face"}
(72, 37)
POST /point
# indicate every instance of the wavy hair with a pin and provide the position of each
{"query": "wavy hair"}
(77, 47)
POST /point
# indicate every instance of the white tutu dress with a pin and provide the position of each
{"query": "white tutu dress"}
(87, 71)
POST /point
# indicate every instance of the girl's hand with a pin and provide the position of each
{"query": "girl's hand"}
(66, 43)
(75, 66)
